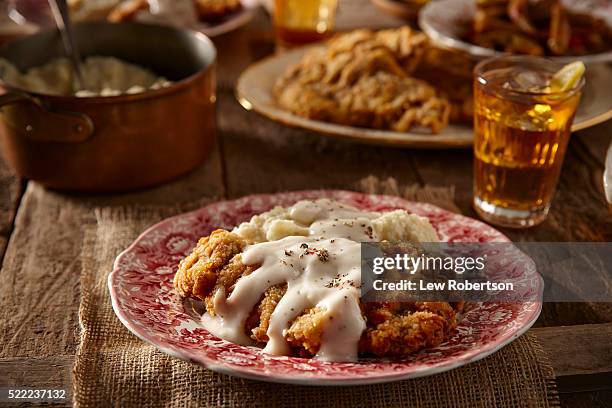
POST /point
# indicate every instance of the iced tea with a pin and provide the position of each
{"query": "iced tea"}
(521, 133)
(298, 22)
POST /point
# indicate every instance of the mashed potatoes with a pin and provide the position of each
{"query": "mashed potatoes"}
(102, 76)
(303, 217)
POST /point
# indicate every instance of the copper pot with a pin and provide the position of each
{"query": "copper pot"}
(120, 142)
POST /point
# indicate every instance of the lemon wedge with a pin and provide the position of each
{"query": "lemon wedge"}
(567, 77)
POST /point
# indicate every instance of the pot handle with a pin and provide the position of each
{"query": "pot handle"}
(43, 124)
(13, 97)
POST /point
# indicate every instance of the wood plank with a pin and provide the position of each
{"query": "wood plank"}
(583, 383)
(50, 372)
(583, 354)
(596, 399)
(448, 168)
(264, 156)
(45, 373)
(596, 140)
(583, 349)
(579, 213)
(11, 190)
(39, 282)
(362, 13)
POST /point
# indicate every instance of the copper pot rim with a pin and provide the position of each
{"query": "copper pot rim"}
(174, 87)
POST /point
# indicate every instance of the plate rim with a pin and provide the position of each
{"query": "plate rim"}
(338, 131)
(477, 51)
(233, 22)
(285, 378)
(378, 137)
(241, 18)
(397, 9)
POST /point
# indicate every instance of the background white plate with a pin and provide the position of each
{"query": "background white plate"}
(444, 22)
(254, 92)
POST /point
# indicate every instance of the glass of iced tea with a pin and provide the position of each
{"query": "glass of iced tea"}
(298, 22)
(522, 127)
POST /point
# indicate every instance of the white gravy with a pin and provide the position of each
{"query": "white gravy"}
(321, 269)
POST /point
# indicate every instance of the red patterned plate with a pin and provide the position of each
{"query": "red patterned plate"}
(145, 301)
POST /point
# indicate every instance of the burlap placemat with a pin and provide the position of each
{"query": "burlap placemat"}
(114, 368)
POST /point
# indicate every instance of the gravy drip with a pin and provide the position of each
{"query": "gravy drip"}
(322, 270)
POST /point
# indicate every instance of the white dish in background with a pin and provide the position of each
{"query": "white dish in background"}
(182, 15)
(444, 22)
(407, 10)
(254, 92)
(178, 13)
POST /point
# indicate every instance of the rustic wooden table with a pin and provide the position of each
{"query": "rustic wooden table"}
(256, 155)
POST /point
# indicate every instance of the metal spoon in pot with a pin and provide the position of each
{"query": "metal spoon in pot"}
(61, 14)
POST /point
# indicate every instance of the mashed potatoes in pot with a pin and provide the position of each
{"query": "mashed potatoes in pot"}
(102, 76)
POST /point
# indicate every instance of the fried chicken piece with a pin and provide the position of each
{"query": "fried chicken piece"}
(259, 320)
(306, 331)
(88, 10)
(216, 264)
(210, 261)
(379, 312)
(442, 309)
(392, 328)
(407, 46)
(404, 334)
(362, 79)
(401, 328)
(127, 10)
(213, 11)
(226, 279)
(451, 74)
(381, 101)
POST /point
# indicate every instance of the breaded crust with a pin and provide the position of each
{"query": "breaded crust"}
(210, 261)
(392, 328)
(306, 331)
(404, 334)
(362, 78)
(259, 320)
(213, 11)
